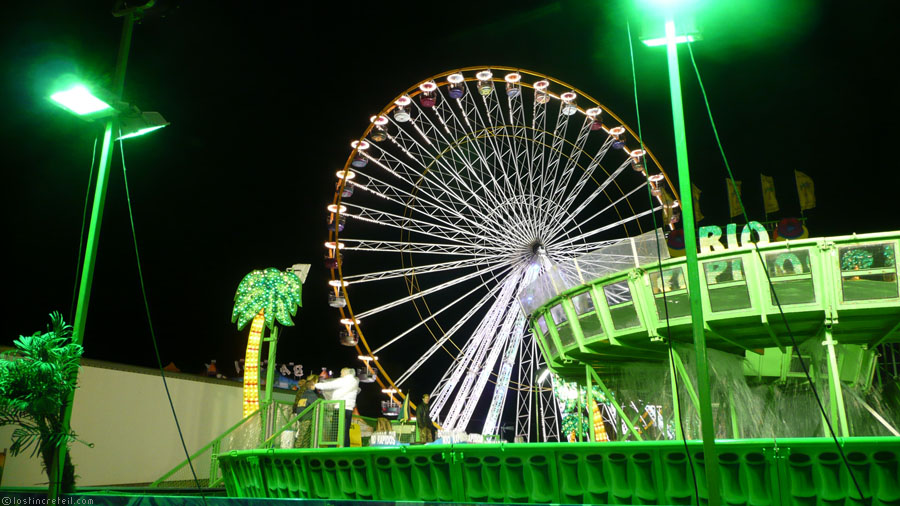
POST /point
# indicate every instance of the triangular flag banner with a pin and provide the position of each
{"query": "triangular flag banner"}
(695, 194)
(734, 194)
(768, 190)
(806, 190)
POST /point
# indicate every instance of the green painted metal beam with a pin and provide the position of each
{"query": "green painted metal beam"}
(693, 268)
(615, 403)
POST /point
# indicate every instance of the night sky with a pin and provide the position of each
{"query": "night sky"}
(264, 100)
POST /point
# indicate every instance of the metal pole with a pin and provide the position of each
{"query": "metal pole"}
(90, 255)
(270, 379)
(690, 242)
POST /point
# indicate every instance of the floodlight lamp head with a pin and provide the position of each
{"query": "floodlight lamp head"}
(83, 102)
(135, 123)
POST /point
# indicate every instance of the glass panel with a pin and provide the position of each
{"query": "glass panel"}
(617, 293)
(726, 283)
(548, 339)
(590, 325)
(543, 325)
(868, 271)
(583, 303)
(566, 336)
(791, 277)
(673, 279)
(674, 285)
(624, 317)
(559, 314)
(621, 308)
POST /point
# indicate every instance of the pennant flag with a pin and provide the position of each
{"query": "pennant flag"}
(695, 194)
(806, 190)
(768, 189)
(404, 410)
(734, 194)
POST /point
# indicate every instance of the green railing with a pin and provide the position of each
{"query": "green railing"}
(245, 435)
(783, 472)
(204, 459)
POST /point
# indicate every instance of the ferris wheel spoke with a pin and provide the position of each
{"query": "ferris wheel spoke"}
(562, 184)
(497, 347)
(521, 153)
(427, 175)
(491, 342)
(451, 331)
(475, 348)
(481, 137)
(585, 223)
(356, 279)
(418, 247)
(492, 290)
(462, 150)
(457, 153)
(499, 153)
(538, 127)
(507, 155)
(587, 174)
(428, 291)
(439, 231)
(431, 138)
(593, 195)
(586, 247)
(611, 225)
(423, 206)
(403, 171)
(550, 172)
(407, 175)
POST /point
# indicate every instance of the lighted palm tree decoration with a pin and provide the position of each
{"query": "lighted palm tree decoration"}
(265, 297)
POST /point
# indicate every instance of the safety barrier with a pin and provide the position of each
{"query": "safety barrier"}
(793, 472)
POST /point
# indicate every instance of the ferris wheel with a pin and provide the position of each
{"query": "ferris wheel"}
(460, 193)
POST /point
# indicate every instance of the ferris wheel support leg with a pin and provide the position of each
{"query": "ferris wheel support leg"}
(589, 405)
(690, 239)
(834, 377)
(615, 403)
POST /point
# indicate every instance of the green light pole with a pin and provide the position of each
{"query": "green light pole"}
(690, 245)
(90, 256)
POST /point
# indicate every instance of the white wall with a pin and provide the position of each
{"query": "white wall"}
(124, 412)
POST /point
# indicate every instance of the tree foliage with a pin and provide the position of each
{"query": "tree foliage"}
(36, 380)
(276, 293)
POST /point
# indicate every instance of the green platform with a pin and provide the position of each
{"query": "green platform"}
(847, 285)
(754, 472)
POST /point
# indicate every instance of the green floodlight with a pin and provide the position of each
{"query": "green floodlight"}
(140, 123)
(80, 101)
(679, 39)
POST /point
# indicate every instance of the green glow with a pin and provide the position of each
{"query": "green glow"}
(661, 41)
(276, 293)
(140, 132)
(79, 100)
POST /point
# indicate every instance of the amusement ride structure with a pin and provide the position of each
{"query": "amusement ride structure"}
(475, 182)
(530, 224)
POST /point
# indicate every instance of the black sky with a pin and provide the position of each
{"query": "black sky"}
(264, 98)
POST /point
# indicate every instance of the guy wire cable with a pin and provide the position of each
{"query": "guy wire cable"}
(150, 322)
(87, 197)
(675, 396)
(772, 287)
